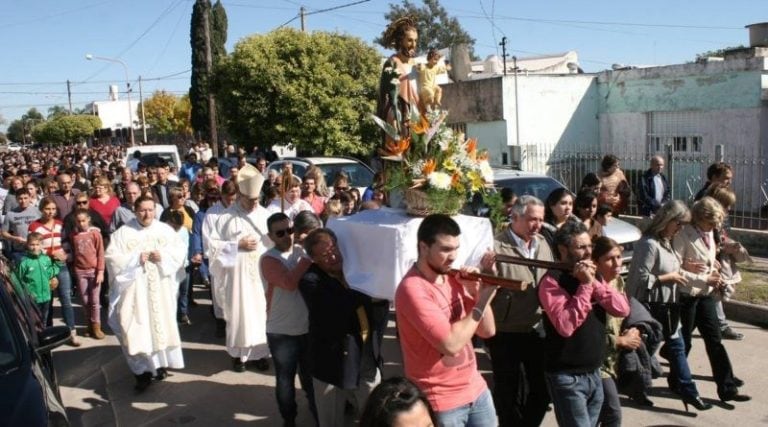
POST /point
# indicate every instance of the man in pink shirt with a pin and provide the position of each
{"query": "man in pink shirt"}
(575, 303)
(437, 316)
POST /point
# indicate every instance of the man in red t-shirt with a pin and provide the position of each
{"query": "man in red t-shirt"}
(437, 316)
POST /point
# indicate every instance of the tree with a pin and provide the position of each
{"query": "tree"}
(19, 129)
(56, 111)
(436, 29)
(199, 85)
(66, 129)
(718, 52)
(314, 91)
(167, 114)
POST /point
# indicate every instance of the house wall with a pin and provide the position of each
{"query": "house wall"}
(555, 111)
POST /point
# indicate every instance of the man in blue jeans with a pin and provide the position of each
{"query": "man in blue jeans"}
(575, 303)
(287, 318)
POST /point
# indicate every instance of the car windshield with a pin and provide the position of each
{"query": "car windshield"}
(153, 159)
(534, 186)
(359, 176)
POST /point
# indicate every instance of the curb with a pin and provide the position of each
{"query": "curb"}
(745, 312)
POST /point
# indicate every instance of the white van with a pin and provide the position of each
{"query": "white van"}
(151, 154)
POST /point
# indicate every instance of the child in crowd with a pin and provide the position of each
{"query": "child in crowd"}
(603, 215)
(36, 273)
(88, 254)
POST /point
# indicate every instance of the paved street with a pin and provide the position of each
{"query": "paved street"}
(97, 386)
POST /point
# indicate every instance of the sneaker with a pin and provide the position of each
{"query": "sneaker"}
(730, 334)
(184, 319)
(74, 342)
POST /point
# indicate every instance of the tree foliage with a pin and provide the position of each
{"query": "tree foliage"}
(18, 129)
(66, 129)
(436, 28)
(57, 111)
(314, 91)
(167, 114)
(199, 87)
(718, 52)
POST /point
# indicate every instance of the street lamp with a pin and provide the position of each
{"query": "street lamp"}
(127, 84)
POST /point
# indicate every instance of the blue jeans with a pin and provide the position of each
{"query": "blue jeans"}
(290, 353)
(480, 413)
(182, 305)
(42, 308)
(65, 298)
(577, 397)
(679, 378)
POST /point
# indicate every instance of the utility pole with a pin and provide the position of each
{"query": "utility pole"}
(517, 105)
(214, 135)
(143, 120)
(301, 13)
(503, 45)
(69, 96)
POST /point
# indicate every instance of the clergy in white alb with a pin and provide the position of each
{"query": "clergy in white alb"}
(240, 240)
(142, 258)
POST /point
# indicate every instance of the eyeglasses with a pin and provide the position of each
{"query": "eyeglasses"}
(283, 232)
(341, 188)
(82, 202)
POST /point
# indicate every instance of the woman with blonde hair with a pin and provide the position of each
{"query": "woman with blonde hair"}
(731, 252)
(697, 246)
(333, 209)
(656, 278)
(321, 187)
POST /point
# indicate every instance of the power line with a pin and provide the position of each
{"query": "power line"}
(165, 77)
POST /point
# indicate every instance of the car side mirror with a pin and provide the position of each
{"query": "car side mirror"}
(50, 338)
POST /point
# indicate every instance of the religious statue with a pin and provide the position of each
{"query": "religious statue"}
(430, 92)
(398, 94)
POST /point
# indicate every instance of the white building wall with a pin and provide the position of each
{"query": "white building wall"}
(114, 114)
(556, 112)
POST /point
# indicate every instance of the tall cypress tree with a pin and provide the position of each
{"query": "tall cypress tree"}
(198, 90)
(200, 80)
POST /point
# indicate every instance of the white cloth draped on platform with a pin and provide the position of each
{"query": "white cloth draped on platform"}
(379, 246)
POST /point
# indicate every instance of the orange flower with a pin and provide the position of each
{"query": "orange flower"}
(455, 180)
(471, 145)
(396, 148)
(421, 127)
(429, 167)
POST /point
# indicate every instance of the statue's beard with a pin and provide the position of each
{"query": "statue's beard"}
(408, 53)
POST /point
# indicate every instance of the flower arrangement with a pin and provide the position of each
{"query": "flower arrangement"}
(438, 168)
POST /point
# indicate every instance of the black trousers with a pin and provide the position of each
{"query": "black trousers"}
(701, 312)
(520, 391)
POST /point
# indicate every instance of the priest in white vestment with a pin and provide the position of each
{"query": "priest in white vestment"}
(235, 249)
(142, 258)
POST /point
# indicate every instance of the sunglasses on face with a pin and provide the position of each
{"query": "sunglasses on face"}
(82, 202)
(283, 232)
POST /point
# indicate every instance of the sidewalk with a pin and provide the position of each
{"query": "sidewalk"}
(97, 386)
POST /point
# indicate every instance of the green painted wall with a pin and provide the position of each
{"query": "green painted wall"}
(680, 93)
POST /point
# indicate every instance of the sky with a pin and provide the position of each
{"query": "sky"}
(43, 43)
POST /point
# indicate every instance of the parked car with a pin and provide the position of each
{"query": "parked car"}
(359, 174)
(17, 146)
(540, 186)
(27, 375)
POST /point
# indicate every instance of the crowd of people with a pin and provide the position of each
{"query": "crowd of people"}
(136, 237)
